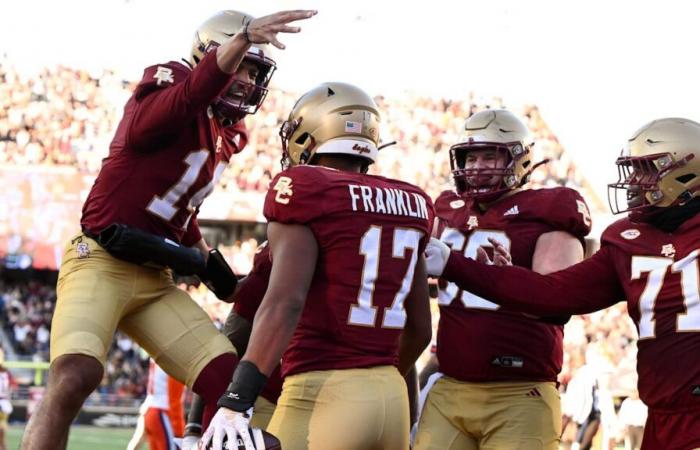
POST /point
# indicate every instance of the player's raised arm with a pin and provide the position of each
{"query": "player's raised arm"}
(262, 30)
(582, 288)
(228, 69)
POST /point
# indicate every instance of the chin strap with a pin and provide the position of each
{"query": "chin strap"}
(526, 178)
(386, 145)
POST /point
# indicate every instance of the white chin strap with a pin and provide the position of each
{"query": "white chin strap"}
(346, 146)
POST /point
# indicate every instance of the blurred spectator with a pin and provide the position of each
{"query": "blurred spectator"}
(632, 417)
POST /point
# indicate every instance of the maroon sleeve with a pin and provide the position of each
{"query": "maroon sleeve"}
(564, 209)
(193, 234)
(169, 95)
(252, 288)
(296, 196)
(583, 288)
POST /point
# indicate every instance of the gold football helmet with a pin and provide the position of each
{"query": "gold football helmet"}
(492, 129)
(332, 118)
(659, 167)
(212, 33)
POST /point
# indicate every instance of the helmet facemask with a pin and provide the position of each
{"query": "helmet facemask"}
(643, 180)
(286, 131)
(477, 183)
(241, 98)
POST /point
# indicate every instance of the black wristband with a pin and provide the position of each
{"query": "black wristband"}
(246, 385)
(245, 31)
(193, 429)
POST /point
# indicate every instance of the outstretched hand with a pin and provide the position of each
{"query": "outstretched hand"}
(501, 255)
(263, 30)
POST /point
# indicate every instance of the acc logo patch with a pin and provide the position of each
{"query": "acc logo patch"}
(454, 204)
(630, 234)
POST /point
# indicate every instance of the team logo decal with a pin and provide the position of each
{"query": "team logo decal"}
(164, 75)
(513, 211)
(456, 204)
(284, 190)
(83, 250)
(630, 234)
(668, 250)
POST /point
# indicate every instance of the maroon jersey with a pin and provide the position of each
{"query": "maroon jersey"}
(167, 154)
(247, 300)
(370, 232)
(657, 272)
(672, 430)
(250, 293)
(477, 341)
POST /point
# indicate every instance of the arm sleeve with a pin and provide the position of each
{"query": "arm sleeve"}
(249, 296)
(296, 196)
(564, 209)
(580, 289)
(251, 289)
(162, 106)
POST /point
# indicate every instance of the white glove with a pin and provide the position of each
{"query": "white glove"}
(436, 254)
(189, 443)
(233, 425)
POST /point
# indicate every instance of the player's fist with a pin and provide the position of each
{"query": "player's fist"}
(263, 30)
(436, 254)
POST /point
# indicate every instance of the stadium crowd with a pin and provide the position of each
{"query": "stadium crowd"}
(64, 116)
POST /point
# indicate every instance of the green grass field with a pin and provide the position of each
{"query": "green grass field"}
(83, 438)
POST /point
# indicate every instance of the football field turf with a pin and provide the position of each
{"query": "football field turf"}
(83, 438)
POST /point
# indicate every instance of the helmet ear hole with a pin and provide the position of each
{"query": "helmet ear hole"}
(685, 178)
(302, 139)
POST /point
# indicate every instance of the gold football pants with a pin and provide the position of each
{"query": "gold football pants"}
(98, 294)
(351, 409)
(490, 416)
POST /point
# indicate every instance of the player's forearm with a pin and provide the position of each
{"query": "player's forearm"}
(230, 54)
(238, 329)
(194, 417)
(202, 246)
(273, 328)
(411, 345)
(580, 291)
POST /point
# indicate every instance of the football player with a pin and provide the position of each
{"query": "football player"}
(180, 128)
(499, 383)
(162, 413)
(347, 267)
(6, 383)
(246, 301)
(649, 258)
